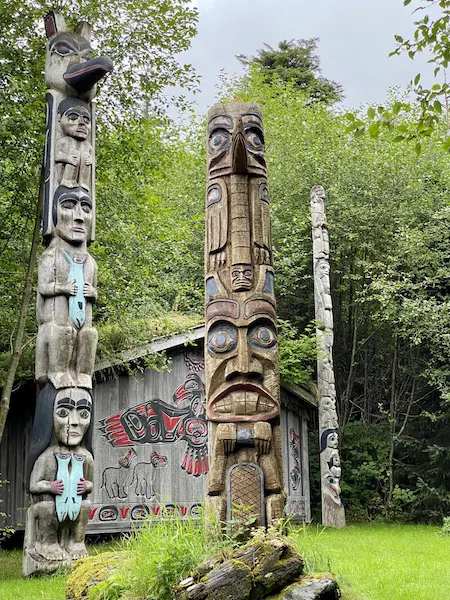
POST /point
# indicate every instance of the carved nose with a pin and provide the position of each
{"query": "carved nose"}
(73, 418)
(243, 364)
(79, 214)
(239, 154)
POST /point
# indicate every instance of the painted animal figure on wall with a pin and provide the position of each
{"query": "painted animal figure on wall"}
(115, 480)
(241, 351)
(156, 421)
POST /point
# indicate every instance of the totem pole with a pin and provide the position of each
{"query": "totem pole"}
(333, 513)
(60, 460)
(241, 356)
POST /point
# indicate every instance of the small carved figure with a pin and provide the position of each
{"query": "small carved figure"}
(67, 287)
(61, 469)
(74, 152)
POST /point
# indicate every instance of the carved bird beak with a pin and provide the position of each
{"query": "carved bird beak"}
(83, 76)
(239, 150)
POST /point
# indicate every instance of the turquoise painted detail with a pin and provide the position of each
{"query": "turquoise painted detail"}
(77, 303)
(62, 500)
(75, 476)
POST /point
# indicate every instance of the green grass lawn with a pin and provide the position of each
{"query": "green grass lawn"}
(372, 562)
(381, 562)
(15, 587)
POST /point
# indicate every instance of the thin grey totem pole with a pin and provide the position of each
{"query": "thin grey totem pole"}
(333, 513)
(60, 462)
(241, 350)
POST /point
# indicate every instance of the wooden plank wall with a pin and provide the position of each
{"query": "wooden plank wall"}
(13, 456)
(134, 477)
(138, 478)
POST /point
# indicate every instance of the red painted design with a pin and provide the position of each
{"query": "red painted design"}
(158, 422)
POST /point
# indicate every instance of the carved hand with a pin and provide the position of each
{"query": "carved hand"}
(89, 290)
(72, 288)
(74, 159)
(226, 433)
(88, 159)
(262, 432)
(81, 486)
(57, 487)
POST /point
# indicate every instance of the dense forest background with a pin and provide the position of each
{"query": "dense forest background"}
(387, 207)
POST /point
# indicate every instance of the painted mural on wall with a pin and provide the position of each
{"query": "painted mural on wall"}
(143, 447)
(155, 421)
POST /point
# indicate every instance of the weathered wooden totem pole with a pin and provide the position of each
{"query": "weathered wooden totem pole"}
(333, 512)
(241, 356)
(60, 460)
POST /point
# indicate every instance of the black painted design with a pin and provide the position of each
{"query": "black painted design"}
(155, 422)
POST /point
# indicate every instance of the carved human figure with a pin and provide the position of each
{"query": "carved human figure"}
(74, 152)
(241, 359)
(328, 418)
(331, 464)
(61, 471)
(67, 287)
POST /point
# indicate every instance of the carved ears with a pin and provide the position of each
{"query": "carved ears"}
(54, 23)
(84, 29)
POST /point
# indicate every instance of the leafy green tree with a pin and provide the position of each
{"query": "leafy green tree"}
(390, 354)
(143, 38)
(430, 111)
(295, 61)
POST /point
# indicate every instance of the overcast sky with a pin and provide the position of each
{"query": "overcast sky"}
(356, 37)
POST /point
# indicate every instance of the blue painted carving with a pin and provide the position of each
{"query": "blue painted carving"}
(77, 303)
(75, 476)
(62, 500)
(211, 287)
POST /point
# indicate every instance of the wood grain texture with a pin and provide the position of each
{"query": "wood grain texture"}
(333, 513)
(241, 353)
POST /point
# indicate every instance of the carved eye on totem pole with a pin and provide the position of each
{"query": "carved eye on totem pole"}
(236, 142)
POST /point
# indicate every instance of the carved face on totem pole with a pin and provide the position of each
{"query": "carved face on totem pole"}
(72, 210)
(70, 67)
(74, 118)
(71, 415)
(242, 352)
(241, 355)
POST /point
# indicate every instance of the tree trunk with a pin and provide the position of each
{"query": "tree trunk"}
(20, 325)
(392, 426)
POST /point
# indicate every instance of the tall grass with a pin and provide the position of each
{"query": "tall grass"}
(160, 553)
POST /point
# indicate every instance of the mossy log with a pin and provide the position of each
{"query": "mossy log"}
(320, 586)
(87, 572)
(252, 572)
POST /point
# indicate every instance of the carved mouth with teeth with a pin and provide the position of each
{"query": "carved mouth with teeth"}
(242, 402)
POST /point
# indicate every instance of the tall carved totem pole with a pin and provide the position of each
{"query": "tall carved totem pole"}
(333, 513)
(60, 460)
(241, 355)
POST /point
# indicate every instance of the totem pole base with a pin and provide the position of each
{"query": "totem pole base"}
(333, 515)
(43, 555)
